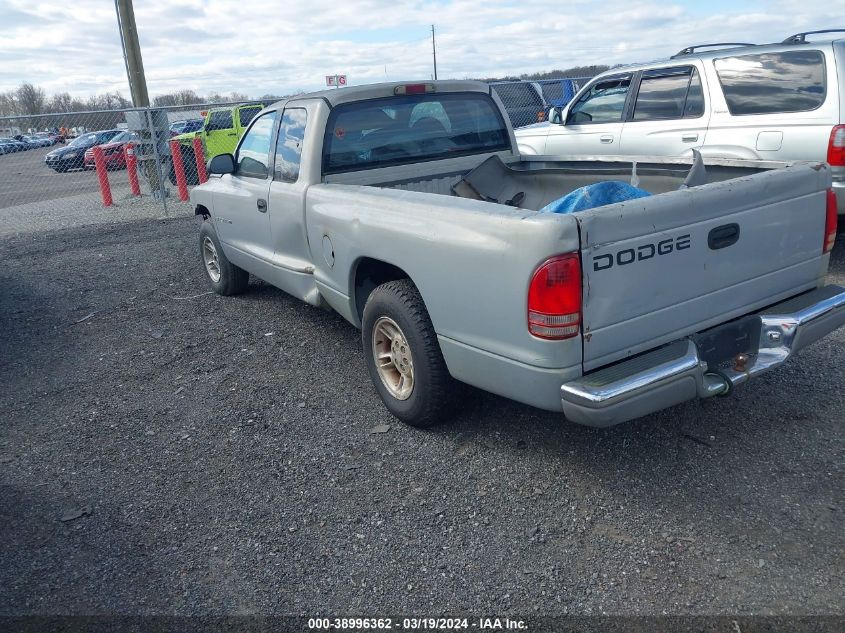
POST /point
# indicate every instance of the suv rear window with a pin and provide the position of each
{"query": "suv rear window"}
(766, 83)
(411, 129)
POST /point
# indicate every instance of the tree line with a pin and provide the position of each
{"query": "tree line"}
(575, 71)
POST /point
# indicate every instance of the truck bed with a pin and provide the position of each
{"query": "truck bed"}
(542, 179)
(650, 271)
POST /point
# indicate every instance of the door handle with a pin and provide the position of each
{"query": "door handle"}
(607, 138)
(689, 138)
(262, 205)
(233, 133)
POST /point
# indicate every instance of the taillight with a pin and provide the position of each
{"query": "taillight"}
(836, 146)
(554, 298)
(830, 222)
(413, 89)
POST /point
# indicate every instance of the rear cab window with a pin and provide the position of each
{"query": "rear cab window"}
(769, 83)
(411, 129)
(289, 144)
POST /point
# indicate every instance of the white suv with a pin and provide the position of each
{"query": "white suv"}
(773, 102)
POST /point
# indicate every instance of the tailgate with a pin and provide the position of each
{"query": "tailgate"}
(659, 268)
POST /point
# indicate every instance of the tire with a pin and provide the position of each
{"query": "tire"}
(398, 306)
(224, 277)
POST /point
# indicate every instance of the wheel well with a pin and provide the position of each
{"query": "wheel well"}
(201, 210)
(370, 273)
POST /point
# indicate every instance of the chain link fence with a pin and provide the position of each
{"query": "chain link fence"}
(70, 162)
(78, 163)
(528, 102)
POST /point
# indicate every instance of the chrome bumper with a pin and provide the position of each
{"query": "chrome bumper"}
(676, 373)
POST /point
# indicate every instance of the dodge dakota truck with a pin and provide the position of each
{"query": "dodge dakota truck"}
(408, 209)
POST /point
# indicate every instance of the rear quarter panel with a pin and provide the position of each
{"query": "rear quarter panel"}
(472, 261)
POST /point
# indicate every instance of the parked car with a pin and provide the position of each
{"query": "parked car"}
(408, 209)
(72, 156)
(772, 102)
(37, 141)
(25, 141)
(523, 101)
(113, 153)
(51, 139)
(10, 146)
(184, 127)
(220, 131)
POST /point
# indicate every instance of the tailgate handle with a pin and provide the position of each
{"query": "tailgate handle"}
(723, 236)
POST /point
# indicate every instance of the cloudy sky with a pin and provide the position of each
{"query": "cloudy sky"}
(280, 46)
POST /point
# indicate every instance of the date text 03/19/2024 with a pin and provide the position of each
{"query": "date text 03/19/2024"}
(421, 624)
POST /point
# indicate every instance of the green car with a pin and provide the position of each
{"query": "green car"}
(220, 133)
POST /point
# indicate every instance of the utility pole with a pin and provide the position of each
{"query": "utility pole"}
(433, 51)
(132, 53)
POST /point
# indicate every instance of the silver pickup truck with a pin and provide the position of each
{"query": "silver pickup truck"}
(408, 209)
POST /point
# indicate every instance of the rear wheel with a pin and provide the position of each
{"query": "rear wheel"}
(225, 278)
(403, 356)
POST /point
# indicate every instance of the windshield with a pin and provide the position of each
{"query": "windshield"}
(85, 139)
(411, 129)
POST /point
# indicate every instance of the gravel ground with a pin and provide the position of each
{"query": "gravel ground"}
(165, 450)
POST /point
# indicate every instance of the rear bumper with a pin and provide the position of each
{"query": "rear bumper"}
(676, 373)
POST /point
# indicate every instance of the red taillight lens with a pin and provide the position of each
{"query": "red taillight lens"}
(413, 89)
(830, 222)
(554, 298)
(836, 146)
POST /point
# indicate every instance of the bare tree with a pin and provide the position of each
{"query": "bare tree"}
(8, 104)
(31, 99)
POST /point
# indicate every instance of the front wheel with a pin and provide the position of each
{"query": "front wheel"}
(225, 278)
(404, 357)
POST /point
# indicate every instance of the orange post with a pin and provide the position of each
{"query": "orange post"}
(102, 175)
(179, 170)
(199, 155)
(132, 168)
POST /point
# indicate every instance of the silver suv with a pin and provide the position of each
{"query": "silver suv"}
(772, 102)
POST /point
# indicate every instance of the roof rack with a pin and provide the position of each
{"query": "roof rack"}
(689, 50)
(800, 38)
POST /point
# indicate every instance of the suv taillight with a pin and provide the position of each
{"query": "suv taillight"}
(554, 298)
(830, 222)
(836, 146)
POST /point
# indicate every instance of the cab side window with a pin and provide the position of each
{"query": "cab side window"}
(289, 144)
(604, 102)
(253, 156)
(669, 93)
(220, 120)
(245, 115)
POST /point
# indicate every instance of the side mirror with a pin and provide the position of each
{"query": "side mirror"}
(222, 164)
(555, 115)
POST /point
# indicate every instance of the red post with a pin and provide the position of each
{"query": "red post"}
(102, 175)
(199, 155)
(132, 168)
(179, 170)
